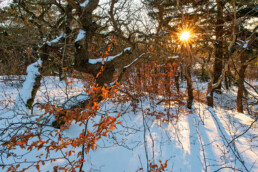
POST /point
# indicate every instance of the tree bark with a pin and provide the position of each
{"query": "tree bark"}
(177, 82)
(188, 62)
(218, 65)
(189, 86)
(209, 95)
(241, 86)
(167, 79)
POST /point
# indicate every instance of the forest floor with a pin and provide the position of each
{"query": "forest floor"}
(205, 139)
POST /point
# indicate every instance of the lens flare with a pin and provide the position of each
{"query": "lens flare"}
(185, 35)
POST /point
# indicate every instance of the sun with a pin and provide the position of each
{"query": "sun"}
(185, 35)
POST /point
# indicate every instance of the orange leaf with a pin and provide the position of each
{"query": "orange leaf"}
(37, 166)
(51, 111)
(95, 105)
(19, 142)
(74, 144)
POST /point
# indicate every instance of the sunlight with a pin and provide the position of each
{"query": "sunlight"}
(185, 35)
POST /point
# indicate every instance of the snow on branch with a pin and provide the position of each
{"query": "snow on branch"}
(173, 57)
(84, 3)
(135, 60)
(125, 68)
(26, 96)
(246, 44)
(243, 44)
(109, 58)
(26, 93)
(80, 35)
(56, 40)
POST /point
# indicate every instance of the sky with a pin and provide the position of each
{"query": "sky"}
(4, 3)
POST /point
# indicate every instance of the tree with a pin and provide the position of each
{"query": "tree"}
(70, 29)
(111, 44)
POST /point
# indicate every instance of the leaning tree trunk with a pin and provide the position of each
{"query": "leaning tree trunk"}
(241, 86)
(28, 92)
(31, 85)
(101, 70)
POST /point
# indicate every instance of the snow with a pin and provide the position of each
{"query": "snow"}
(197, 141)
(80, 35)
(25, 93)
(84, 4)
(56, 40)
(127, 66)
(31, 18)
(246, 44)
(238, 44)
(109, 58)
(173, 57)
(243, 44)
(164, 33)
(135, 60)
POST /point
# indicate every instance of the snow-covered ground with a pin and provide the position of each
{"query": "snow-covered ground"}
(208, 139)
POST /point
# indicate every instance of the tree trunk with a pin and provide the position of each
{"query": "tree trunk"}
(167, 79)
(209, 95)
(218, 65)
(181, 73)
(230, 76)
(202, 73)
(189, 86)
(138, 78)
(33, 79)
(177, 82)
(226, 80)
(241, 87)
(155, 80)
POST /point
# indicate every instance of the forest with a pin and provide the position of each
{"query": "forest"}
(129, 85)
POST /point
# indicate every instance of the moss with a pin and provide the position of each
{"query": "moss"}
(29, 103)
(33, 92)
